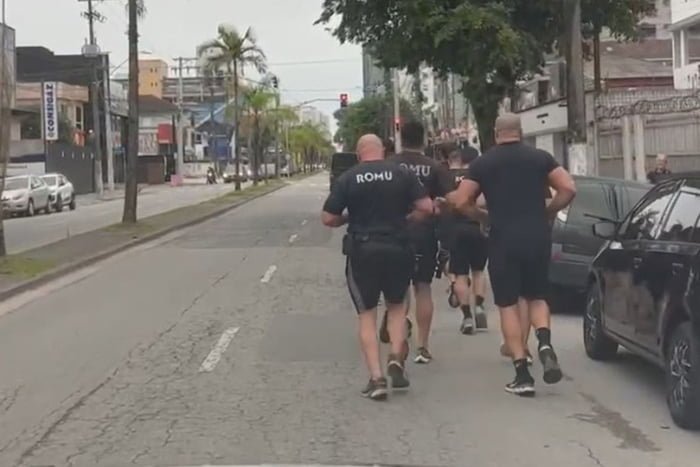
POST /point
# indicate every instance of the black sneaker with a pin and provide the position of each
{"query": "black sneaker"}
(423, 356)
(376, 389)
(480, 318)
(521, 386)
(397, 373)
(552, 370)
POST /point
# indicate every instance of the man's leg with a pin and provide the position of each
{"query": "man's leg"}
(459, 267)
(424, 319)
(395, 285)
(478, 257)
(365, 296)
(506, 283)
(535, 290)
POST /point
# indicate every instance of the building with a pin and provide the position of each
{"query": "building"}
(685, 24)
(152, 72)
(309, 114)
(10, 60)
(652, 27)
(375, 79)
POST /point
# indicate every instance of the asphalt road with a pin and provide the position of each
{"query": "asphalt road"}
(24, 233)
(234, 344)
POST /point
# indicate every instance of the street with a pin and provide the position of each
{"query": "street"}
(25, 233)
(233, 343)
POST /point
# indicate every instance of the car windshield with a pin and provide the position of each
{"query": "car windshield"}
(50, 180)
(16, 183)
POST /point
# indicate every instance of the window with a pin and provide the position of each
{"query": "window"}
(79, 117)
(682, 218)
(643, 221)
(592, 199)
(629, 196)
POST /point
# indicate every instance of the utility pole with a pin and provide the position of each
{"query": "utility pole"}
(278, 159)
(4, 120)
(576, 159)
(109, 144)
(180, 122)
(397, 112)
(92, 52)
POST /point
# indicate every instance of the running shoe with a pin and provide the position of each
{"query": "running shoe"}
(480, 317)
(376, 389)
(550, 363)
(467, 326)
(397, 373)
(423, 356)
(521, 386)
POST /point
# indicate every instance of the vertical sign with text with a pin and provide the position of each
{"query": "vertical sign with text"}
(50, 110)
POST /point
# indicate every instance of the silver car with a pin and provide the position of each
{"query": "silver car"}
(26, 194)
(61, 190)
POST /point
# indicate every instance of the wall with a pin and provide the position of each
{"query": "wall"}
(74, 162)
(26, 146)
(26, 168)
(684, 9)
(196, 169)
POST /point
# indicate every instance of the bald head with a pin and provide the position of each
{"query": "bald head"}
(508, 128)
(661, 161)
(370, 148)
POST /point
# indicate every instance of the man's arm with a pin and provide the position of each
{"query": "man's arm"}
(422, 210)
(464, 200)
(565, 190)
(332, 214)
(423, 207)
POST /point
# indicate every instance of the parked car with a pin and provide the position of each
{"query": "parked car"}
(573, 244)
(61, 190)
(340, 162)
(230, 174)
(26, 194)
(644, 291)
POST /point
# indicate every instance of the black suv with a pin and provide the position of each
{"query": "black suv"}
(644, 290)
(573, 244)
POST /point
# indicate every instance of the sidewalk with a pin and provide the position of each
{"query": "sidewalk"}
(29, 269)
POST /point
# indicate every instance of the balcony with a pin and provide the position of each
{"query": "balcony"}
(687, 77)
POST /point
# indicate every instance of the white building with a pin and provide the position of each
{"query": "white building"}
(309, 114)
(685, 23)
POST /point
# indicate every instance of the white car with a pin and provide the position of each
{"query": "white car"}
(26, 194)
(62, 191)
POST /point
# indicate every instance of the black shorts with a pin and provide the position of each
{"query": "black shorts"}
(468, 251)
(425, 250)
(519, 271)
(375, 268)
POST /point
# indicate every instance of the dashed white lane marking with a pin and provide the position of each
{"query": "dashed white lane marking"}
(268, 274)
(217, 352)
(304, 222)
(293, 238)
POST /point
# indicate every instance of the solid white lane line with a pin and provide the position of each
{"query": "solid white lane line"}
(293, 238)
(217, 352)
(304, 222)
(268, 274)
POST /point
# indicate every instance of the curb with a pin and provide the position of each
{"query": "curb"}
(73, 266)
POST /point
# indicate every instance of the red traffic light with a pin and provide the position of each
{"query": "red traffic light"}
(343, 100)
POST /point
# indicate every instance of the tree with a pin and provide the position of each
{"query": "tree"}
(310, 142)
(232, 52)
(136, 9)
(258, 101)
(372, 114)
(5, 115)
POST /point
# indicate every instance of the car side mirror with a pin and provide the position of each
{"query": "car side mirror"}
(605, 230)
(61, 183)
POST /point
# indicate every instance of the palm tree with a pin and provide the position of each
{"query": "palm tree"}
(258, 100)
(136, 10)
(310, 142)
(232, 52)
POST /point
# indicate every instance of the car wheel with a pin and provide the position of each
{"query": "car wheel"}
(59, 204)
(72, 203)
(30, 208)
(682, 361)
(598, 345)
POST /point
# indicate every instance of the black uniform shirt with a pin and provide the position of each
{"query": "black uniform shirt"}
(433, 176)
(512, 177)
(455, 220)
(378, 196)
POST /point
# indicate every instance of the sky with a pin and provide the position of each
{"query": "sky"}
(173, 28)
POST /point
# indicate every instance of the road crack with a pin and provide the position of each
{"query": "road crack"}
(591, 454)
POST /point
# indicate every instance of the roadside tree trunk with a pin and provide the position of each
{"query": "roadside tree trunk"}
(236, 123)
(597, 75)
(132, 147)
(4, 133)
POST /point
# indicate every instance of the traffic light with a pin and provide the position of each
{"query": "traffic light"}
(343, 100)
(275, 82)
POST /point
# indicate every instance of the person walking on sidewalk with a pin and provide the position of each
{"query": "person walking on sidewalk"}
(467, 250)
(381, 198)
(511, 175)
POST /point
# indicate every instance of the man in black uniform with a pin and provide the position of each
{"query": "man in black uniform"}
(423, 235)
(511, 175)
(468, 249)
(381, 198)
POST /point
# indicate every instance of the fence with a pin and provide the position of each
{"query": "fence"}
(76, 163)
